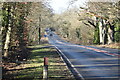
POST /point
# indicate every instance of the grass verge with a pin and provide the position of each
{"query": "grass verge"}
(113, 46)
(32, 69)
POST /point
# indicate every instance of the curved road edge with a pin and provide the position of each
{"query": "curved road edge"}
(73, 70)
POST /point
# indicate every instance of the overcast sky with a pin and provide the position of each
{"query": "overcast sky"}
(62, 5)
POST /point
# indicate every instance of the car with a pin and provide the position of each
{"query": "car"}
(51, 35)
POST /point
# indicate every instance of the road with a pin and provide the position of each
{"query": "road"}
(91, 63)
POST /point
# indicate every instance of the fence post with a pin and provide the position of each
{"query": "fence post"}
(45, 69)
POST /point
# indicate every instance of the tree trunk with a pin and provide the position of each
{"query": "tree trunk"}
(96, 32)
(100, 32)
(104, 35)
(96, 36)
(110, 35)
(7, 41)
(39, 35)
(104, 32)
(39, 29)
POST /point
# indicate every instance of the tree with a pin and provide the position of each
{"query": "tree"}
(105, 12)
(7, 17)
(40, 18)
(14, 25)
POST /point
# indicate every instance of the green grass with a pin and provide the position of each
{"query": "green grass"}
(32, 69)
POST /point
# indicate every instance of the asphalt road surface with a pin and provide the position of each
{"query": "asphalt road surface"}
(91, 63)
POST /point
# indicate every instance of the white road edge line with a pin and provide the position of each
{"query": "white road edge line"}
(70, 63)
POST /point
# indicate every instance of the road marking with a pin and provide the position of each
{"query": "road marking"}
(97, 50)
(70, 63)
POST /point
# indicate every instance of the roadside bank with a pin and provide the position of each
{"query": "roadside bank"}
(32, 69)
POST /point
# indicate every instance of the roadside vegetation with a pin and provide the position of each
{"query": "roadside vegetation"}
(23, 24)
(96, 24)
(113, 46)
(32, 69)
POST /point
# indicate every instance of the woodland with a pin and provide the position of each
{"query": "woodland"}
(24, 23)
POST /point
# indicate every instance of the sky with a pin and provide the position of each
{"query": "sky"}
(60, 6)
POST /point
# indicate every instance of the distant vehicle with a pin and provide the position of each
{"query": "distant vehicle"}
(51, 34)
(52, 29)
(45, 35)
(47, 29)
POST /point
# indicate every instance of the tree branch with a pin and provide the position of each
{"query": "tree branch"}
(91, 23)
